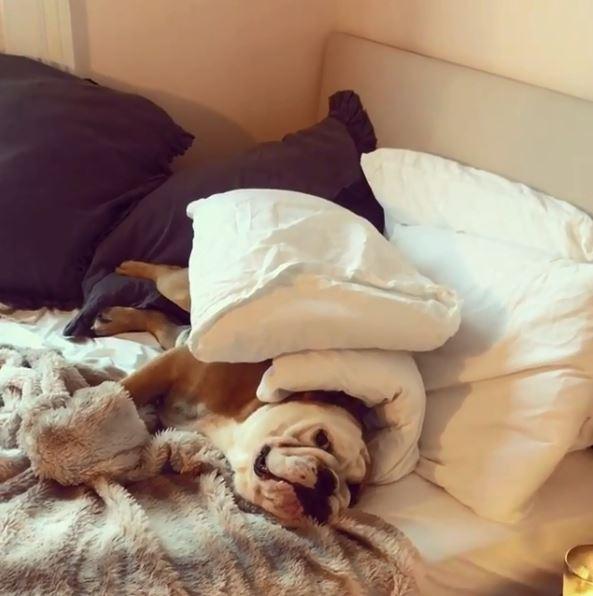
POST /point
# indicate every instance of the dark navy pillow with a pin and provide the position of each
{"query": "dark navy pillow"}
(323, 160)
(74, 157)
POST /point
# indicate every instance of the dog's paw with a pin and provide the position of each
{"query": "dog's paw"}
(132, 269)
(118, 319)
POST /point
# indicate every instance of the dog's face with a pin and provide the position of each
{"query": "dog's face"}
(299, 460)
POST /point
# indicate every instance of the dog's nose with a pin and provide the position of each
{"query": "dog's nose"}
(316, 501)
(326, 482)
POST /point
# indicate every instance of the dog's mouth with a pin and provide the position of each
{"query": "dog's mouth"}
(260, 467)
(315, 501)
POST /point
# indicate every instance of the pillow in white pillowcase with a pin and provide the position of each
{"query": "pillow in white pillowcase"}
(274, 272)
(419, 188)
(389, 382)
(512, 392)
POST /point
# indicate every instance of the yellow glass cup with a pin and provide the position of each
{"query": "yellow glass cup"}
(578, 571)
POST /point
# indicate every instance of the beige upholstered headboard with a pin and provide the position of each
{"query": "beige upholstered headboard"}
(526, 133)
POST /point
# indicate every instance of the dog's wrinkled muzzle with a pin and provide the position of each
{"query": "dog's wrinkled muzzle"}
(313, 483)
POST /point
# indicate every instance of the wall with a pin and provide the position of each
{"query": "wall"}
(231, 71)
(544, 42)
(239, 71)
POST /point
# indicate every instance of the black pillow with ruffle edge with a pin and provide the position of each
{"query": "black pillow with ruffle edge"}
(322, 160)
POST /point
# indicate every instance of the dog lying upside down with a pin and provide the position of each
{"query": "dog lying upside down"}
(303, 457)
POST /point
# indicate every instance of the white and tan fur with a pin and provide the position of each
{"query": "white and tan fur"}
(297, 459)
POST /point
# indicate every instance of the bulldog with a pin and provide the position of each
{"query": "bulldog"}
(303, 458)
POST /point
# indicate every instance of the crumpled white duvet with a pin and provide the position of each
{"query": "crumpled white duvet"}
(289, 276)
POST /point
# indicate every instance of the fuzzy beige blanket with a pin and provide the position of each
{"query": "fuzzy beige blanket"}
(92, 503)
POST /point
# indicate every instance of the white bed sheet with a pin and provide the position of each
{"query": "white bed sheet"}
(43, 328)
(462, 553)
(467, 555)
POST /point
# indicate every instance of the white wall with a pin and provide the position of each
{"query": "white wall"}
(239, 71)
(544, 42)
(231, 71)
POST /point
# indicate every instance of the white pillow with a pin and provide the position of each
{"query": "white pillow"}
(512, 392)
(387, 381)
(274, 272)
(418, 188)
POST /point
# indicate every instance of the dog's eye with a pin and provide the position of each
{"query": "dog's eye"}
(322, 440)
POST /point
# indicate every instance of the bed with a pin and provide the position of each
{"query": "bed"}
(462, 553)
(524, 133)
(528, 134)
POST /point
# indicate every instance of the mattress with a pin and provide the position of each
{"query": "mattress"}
(462, 554)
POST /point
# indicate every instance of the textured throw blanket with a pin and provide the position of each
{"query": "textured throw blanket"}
(92, 503)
